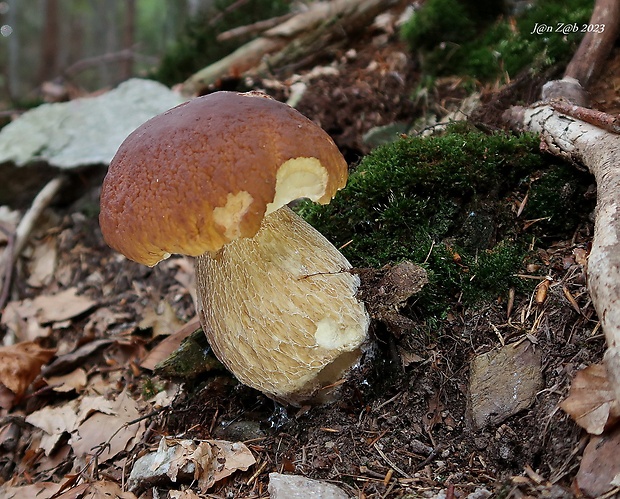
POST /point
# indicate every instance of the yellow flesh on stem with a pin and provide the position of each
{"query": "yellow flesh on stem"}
(280, 309)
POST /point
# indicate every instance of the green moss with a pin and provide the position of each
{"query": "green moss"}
(150, 388)
(558, 196)
(492, 272)
(198, 46)
(439, 21)
(191, 359)
(505, 46)
(415, 199)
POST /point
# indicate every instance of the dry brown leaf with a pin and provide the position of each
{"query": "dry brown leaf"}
(91, 404)
(165, 348)
(19, 317)
(125, 352)
(166, 397)
(541, 291)
(232, 456)
(591, 399)
(61, 306)
(106, 422)
(600, 467)
(75, 380)
(20, 364)
(57, 458)
(97, 490)
(581, 257)
(182, 494)
(185, 273)
(201, 456)
(407, 358)
(433, 413)
(102, 318)
(40, 490)
(54, 421)
(163, 320)
(42, 263)
(75, 491)
(204, 461)
(7, 397)
(76, 358)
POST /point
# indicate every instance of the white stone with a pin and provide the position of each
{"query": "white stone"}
(85, 131)
(299, 487)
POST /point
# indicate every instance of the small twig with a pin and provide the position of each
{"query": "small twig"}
(254, 477)
(8, 113)
(387, 460)
(254, 28)
(99, 449)
(610, 494)
(18, 240)
(430, 457)
(231, 8)
(27, 223)
(109, 58)
(388, 401)
(8, 268)
(599, 119)
(429, 252)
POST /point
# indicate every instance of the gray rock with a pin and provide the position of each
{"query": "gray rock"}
(502, 383)
(299, 487)
(385, 134)
(84, 131)
(154, 468)
(479, 493)
(567, 88)
(204, 462)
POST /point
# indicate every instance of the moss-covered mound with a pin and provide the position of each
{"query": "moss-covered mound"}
(450, 204)
(452, 38)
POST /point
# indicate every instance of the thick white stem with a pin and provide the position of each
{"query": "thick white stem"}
(280, 310)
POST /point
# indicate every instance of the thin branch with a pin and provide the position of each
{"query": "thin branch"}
(9, 113)
(8, 268)
(18, 240)
(27, 223)
(231, 8)
(599, 119)
(109, 58)
(253, 29)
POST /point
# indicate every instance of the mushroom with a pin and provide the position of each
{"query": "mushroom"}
(211, 178)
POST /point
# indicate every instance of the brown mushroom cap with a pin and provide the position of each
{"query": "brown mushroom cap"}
(204, 173)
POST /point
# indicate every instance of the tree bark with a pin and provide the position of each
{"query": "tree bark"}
(129, 29)
(590, 57)
(596, 46)
(13, 80)
(48, 65)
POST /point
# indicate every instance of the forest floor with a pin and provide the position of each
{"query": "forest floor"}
(400, 428)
